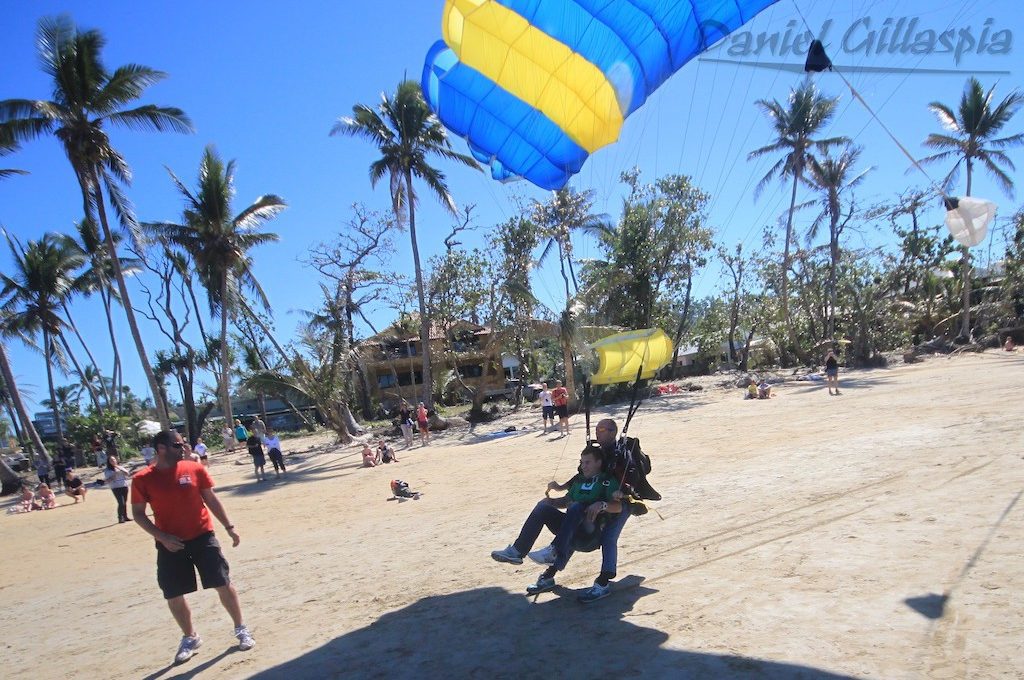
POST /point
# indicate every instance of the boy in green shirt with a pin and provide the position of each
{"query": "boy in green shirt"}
(591, 493)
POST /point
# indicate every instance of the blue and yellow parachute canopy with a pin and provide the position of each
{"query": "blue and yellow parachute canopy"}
(535, 87)
(621, 355)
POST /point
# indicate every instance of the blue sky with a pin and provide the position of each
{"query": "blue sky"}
(265, 81)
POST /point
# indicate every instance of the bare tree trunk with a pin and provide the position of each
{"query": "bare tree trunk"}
(225, 369)
(48, 355)
(19, 406)
(428, 378)
(122, 288)
(965, 266)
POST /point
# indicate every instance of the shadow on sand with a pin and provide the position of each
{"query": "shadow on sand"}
(489, 632)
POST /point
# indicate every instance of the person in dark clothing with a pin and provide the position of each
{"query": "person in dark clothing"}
(255, 445)
(832, 372)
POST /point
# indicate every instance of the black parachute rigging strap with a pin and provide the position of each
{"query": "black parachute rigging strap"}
(634, 402)
(586, 407)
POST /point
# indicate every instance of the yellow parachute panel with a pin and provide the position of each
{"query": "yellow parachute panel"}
(621, 355)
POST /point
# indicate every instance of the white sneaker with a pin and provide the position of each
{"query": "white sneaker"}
(245, 638)
(545, 556)
(187, 648)
(509, 554)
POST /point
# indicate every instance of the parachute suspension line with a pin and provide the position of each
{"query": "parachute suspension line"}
(586, 407)
(633, 403)
(874, 115)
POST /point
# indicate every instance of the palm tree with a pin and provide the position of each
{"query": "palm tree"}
(407, 134)
(796, 124)
(31, 298)
(220, 244)
(832, 176)
(973, 128)
(566, 212)
(86, 98)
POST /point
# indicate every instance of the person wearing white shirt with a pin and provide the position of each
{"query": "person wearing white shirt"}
(200, 450)
(547, 407)
(273, 444)
(148, 452)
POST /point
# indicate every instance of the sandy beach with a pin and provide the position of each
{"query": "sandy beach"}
(876, 534)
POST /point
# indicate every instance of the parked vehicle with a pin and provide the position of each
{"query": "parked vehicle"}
(17, 462)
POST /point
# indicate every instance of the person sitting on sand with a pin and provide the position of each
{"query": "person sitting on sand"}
(46, 497)
(28, 499)
(764, 390)
(73, 486)
(752, 389)
(370, 459)
(591, 494)
(1009, 345)
(385, 453)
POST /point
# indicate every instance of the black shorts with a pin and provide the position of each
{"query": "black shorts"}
(549, 412)
(562, 411)
(176, 571)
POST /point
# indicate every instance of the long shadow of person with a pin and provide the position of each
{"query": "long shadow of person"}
(489, 632)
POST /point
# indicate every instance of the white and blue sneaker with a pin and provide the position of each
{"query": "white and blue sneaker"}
(187, 648)
(542, 585)
(594, 593)
(509, 555)
(245, 638)
(545, 556)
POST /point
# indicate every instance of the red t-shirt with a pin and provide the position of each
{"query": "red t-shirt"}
(178, 506)
(559, 396)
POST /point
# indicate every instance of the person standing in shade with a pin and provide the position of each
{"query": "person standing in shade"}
(117, 479)
(255, 446)
(832, 372)
(405, 422)
(43, 470)
(181, 496)
(60, 466)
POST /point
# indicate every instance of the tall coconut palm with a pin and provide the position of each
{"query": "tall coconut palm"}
(220, 244)
(87, 98)
(832, 176)
(31, 298)
(407, 134)
(972, 139)
(796, 125)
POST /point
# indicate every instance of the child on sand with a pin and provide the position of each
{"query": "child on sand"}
(273, 444)
(370, 459)
(46, 497)
(258, 459)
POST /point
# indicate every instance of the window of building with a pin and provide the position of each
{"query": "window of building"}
(386, 380)
(471, 371)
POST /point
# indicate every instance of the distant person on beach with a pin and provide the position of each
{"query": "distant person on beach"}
(97, 451)
(42, 470)
(385, 453)
(547, 407)
(560, 399)
(405, 422)
(259, 428)
(47, 499)
(60, 463)
(181, 495)
(202, 451)
(259, 460)
(28, 501)
(148, 453)
(241, 434)
(752, 389)
(117, 481)
(764, 390)
(228, 435)
(273, 444)
(832, 372)
(1009, 345)
(589, 496)
(370, 458)
(73, 486)
(423, 420)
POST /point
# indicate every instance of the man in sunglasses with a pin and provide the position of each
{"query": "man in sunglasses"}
(180, 492)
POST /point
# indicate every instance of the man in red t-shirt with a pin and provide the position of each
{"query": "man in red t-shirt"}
(180, 492)
(560, 398)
